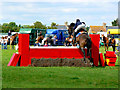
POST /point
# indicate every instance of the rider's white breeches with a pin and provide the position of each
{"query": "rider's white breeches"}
(79, 27)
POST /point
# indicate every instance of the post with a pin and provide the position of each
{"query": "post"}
(24, 49)
(95, 38)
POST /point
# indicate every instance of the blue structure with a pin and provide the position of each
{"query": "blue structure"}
(61, 35)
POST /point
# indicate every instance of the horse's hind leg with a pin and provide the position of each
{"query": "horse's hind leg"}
(105, 47)
(88, 51)
(91, 60)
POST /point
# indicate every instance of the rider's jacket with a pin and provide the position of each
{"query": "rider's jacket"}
(77, 23)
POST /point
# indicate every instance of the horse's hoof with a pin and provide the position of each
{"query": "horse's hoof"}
(91, 64)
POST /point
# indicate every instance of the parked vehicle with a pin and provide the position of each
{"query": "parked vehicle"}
(33, 33)
(61, 35)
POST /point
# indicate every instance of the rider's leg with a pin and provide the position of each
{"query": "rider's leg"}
(74, 36)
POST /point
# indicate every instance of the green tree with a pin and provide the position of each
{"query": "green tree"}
(115, 22)
(20, 25)
(5, 27)
(13, 26)
(53, 26)
(26, 26)
(49, 27)
(0, 28)
(10, 26)
(38, 24)
(32, 26)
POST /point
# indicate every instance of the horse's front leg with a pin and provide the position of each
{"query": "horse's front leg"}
(113, 46)
(83, 54)
(107, 47)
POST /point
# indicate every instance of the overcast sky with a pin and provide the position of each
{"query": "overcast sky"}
(93, 12)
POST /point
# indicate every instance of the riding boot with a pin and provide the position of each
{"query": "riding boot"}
(74, 37)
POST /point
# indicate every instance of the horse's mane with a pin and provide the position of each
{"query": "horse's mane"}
(104, 38)
(85, 33)
(14, 36)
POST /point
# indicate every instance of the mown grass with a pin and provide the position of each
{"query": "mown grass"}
(57, 77)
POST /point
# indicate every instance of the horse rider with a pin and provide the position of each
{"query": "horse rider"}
(79, 26)
(112, 37)
(9, 36)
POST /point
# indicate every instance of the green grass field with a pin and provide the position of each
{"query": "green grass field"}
(57, 77)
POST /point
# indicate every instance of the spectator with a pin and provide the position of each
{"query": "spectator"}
(40, 37)
(112, 37)
(54, 40)
(5, 43)
(39, 40)
(2, 43)
(49, 41)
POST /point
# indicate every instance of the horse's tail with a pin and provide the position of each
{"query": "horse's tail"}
(89, 45)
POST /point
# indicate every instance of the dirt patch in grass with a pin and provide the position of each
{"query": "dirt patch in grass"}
(60, 62)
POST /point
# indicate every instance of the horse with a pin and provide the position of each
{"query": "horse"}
(105, 42)
(12, 40)
(108, 42)
(83, 40)
(112, 43)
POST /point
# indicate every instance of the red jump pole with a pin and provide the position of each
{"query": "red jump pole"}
(24, 49)
(95, 38)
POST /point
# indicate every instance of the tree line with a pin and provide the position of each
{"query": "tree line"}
(115, 22)
(5, 27)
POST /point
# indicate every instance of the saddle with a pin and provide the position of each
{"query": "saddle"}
(81, 33)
